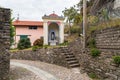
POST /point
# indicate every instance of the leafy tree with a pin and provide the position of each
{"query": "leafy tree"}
(78, 18)
(75, 14)
(70, 15)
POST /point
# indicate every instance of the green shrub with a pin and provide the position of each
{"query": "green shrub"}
(116, 60)
(38, 42)
(92, 75)
(34, 48)
(75, 30)
(92, 43)
(64, 44)
(24, 43)
(95, 52)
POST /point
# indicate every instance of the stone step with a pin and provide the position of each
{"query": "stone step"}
(72, 62)
(74, 65)
(70, 59)
(69, 56)
(65, 51)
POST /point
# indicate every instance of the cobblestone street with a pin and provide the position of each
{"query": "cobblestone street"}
(36, 70)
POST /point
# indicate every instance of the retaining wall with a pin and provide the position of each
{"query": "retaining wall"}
(52, 56)
(4, 43)
(108, 39)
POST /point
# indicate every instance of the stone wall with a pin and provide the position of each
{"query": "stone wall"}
(102, 65)
(4, 43)
(108, 39)
(53, 56)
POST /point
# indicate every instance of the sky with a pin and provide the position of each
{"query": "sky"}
(35, 9)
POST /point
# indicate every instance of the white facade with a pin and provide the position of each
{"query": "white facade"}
(53, 27)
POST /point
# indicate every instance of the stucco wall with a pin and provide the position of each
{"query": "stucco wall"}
(33, 33)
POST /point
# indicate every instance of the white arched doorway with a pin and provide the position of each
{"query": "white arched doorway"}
(53, 33)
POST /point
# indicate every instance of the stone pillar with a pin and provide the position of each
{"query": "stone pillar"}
(61, 27)
(45, 28)
(4, 43)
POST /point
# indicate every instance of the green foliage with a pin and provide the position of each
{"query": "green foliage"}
(38, 42)
(70, 13)
(94, 52)
(64, 44)
(12, 32)
(75, 29)
(24, 43)
(92, 43)
(46, 46)
(78, 18)
(92, 75)
(34, 48)
(116, 59)
(93, 20)
(105, 14)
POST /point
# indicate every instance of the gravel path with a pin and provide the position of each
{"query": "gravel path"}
(18, 73)
(42, 74)
(51, 71)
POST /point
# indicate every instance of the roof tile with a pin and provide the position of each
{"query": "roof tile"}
(27, 23)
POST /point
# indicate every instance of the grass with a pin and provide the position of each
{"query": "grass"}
(103, 25)
(45, 46)
(72, 37)
(15, 50)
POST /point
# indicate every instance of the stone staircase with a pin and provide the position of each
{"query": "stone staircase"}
(70, 58)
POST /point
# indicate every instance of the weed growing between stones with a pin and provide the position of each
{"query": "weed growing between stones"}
(91, 43)
(92, 75)
(34, 48)
(116, 60)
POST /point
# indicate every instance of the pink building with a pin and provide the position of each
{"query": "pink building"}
(51, 29)
(28, 29)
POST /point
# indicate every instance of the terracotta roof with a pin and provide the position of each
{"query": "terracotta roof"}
(27, 23)
(53, 15)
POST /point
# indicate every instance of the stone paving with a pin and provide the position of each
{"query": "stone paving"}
(53, 71)
(18, 73)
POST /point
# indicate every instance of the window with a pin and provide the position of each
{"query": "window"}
(23, 36)
(32, 27)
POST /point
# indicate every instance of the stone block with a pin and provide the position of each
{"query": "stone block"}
(4, 43)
